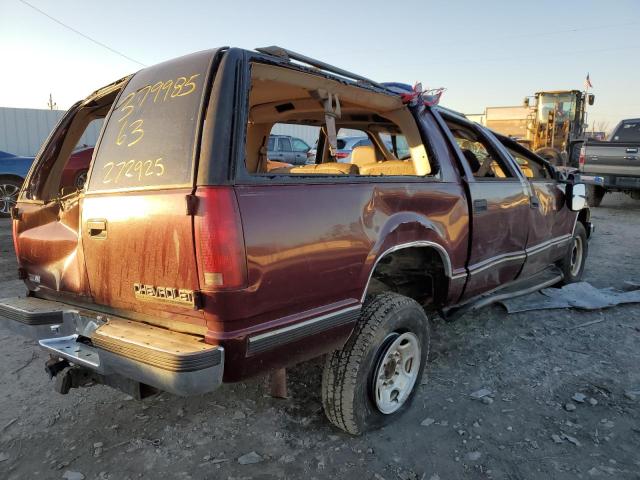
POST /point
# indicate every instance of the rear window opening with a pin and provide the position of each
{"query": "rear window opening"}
(294, 115)
(627, 132)
(150, 137)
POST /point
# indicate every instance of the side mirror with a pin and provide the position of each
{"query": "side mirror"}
(576, 196)
(591, 99)
(525, 102)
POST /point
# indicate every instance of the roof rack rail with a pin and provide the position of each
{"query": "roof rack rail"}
(289, 55)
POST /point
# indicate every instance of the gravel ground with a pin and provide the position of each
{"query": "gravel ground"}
(528, 427)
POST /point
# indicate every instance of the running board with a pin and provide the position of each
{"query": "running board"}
(546, 278)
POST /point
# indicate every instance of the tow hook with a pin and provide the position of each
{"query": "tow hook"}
(72, 377)
(67, 376)
(54, 365)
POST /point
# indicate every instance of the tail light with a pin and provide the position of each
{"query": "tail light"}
(219, 240)
(581, 157)
(342, 155)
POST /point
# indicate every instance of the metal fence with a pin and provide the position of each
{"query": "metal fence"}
(23, 130)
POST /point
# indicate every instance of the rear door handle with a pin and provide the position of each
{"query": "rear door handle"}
(480, 205)
(97, 228)
(632, 150)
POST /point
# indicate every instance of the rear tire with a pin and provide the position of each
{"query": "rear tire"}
(552, 155)
(595, 194)
(572, 265)
(373, 379)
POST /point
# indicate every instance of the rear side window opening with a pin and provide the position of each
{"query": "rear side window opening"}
(63, 165)
(376, 135)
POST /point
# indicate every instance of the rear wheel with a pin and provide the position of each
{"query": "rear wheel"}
(372, 380)
(595, 194)
(572, 265)
(9, 190)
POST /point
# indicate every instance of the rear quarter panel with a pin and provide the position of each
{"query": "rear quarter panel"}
(311, 249)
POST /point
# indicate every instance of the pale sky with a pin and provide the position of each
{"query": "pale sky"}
(484, 52)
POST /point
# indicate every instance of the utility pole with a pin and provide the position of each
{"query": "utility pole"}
(52, 105)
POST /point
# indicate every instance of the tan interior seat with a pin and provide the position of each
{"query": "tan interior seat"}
(389, 167)
(363, 155)
(497, 170)
(332, 168)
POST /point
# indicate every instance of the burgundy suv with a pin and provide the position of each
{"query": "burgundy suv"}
(188, 260)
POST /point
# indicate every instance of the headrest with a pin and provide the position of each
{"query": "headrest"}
(363, 155)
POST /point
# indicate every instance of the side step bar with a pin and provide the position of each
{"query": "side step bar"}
(546, 278)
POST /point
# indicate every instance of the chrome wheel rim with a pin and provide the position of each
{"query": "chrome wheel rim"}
(8, 197)
(576, 256)
(396, 373)
(81, 179)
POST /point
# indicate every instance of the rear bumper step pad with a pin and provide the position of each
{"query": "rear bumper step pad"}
(162, 348)
(175, 362)
(31, 311)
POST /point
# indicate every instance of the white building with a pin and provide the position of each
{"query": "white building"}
(23, 130)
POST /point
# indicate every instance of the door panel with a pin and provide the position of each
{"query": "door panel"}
(139, 240)
(500, 226)
(49, 247)
(317, 243)
(551, 225)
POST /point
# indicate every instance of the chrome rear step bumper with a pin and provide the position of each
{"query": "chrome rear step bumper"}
(174, 362)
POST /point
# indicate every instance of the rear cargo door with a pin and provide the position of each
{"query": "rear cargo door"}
(136, 230)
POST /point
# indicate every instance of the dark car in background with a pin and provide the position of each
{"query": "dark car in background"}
(346, 146)
(13, 170)
(287, 149)
(74, 174)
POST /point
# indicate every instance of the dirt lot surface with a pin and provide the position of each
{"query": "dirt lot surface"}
(528, 428)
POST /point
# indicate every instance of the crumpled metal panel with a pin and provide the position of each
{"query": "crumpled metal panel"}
(581, 295)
